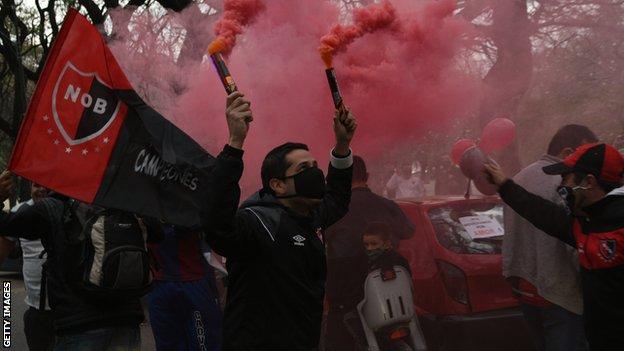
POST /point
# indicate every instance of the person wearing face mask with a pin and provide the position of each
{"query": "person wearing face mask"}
(544, 271)
(592, 221)
(347, 264)
(377, 239)
(273, 242)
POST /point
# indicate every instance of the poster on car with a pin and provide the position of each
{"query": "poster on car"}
(482, 227)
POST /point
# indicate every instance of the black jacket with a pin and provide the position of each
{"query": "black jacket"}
(346, 258)
(72, 312)
(599, 239)
(275, 260)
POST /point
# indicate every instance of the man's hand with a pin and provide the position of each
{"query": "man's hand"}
(6, 185)
(238, 115)
(344, 128)
(494, 174)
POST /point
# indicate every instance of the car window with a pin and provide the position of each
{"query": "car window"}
(469, 228)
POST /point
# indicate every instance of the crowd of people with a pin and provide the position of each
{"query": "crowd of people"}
(305, 243)
(87, 267)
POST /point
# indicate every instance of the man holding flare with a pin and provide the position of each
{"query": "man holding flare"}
(273, 242)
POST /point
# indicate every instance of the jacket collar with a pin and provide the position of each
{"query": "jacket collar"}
(600, 207)
(264, 199)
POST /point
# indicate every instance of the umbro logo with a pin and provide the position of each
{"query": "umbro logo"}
(299, 240)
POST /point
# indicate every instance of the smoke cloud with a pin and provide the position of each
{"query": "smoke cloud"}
(400, 84)
(236, 15)
(365, 20)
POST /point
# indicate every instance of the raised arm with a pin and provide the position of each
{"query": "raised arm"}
(338, 194)
(545, 215)
(226, 232)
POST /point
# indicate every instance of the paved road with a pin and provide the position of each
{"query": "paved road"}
(18, 340)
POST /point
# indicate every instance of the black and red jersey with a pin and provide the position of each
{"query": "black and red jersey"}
(599, 239)
(177, 252)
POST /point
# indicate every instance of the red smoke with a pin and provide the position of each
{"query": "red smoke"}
(400, 84)
(236, 15)
(365, 20)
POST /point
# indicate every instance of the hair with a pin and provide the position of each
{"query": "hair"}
(607, 187)
(379, 229)
(360, 174)
(570, 136)
(275, 164)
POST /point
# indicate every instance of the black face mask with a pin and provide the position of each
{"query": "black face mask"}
(309, 183)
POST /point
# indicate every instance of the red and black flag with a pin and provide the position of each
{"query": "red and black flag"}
(88, 135)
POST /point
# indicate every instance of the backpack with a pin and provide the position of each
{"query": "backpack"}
(115, 263)
(108, 259)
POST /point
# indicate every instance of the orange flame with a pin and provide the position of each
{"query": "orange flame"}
(217, 45)
(327, 56)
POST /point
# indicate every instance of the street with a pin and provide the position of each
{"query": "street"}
(18, 306)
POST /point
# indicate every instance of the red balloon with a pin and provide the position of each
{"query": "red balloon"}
(497, 135)
(459, 148)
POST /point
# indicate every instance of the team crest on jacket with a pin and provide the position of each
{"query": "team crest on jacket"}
(83, 105)
(608, 249)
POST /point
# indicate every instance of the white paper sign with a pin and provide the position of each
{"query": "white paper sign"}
(480, 227)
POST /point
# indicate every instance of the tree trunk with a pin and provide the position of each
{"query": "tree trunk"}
(510, 77)
(19, 109)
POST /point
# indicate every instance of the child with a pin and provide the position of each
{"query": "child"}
(377, 240)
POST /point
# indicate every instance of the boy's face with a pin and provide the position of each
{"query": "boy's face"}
(374, 242)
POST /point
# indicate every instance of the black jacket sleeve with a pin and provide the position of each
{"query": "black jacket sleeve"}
(29, 222)
(545, 215)
(335, 204)
(227, 232)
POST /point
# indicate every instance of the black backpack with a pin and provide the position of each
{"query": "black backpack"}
(108, 259)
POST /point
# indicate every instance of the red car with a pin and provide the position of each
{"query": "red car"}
(455, 256)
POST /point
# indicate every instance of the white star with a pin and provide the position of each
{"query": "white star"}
(106, 140)
(56, 141)
(97, 149)
(49, 131)
(68, 150)
(85, 151)
(46, 118)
